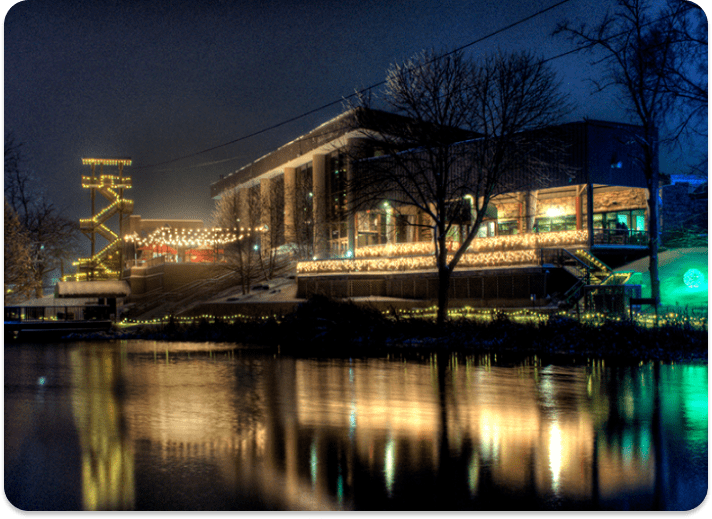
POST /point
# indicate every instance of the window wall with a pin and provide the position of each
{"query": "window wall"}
(336, 203)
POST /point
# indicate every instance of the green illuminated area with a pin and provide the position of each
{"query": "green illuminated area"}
(683, 277)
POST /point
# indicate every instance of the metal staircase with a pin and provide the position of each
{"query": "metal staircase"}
(589, 271)
(107, 262)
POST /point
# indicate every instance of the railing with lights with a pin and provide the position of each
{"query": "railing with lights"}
(409, 263)
(110, 210)
(483, 252)
(107, 162)
(489, 244)
(103, 265)
(106, 181)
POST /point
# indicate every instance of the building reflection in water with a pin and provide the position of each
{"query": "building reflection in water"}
(107, 460)
(577, 435)
(310, 434)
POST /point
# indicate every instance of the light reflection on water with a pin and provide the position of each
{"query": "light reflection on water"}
(149, 425)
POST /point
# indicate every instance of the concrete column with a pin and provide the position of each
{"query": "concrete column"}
(411, 228)
(321, 230)
(243, 208)
(350, 215)
(521, 202)
(266, 213)
(531, 203)
(290, 205)
(390, 225)
(353, 151)
(589, 213)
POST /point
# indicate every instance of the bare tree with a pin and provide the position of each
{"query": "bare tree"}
(19, 276)
(273, 255)
(644, 53)
(683, 75)
(241, 210)
(53, 237)
(467, 135)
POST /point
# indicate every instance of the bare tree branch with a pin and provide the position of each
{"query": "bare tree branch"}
(459, 138)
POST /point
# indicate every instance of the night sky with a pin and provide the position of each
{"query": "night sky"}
(158, 80)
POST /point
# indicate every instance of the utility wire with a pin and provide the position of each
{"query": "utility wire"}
(581, 48)
(359, 92)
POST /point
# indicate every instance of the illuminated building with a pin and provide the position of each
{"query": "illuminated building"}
(166, 254)
(583, 211)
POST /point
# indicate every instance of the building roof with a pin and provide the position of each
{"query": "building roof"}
(107, 288)
(349, 121)
(53, 301)
(591, 150)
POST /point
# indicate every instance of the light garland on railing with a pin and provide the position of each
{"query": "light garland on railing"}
(106, 181)
(488, 244)
(107, 162)
(592, 259)
(103, 228)
(408, 263)
(123, 204)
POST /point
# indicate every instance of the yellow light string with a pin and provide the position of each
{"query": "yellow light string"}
(408, 263)
(486, 244)
(521, 315)
(192, 237)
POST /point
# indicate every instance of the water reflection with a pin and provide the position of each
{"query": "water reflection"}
(197, 426)
(107, 459)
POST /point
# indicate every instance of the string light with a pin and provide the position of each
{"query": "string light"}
(468, 312)
(486, 244)
(106, 181)
(107, 162)
(408, 263)
(180, 238)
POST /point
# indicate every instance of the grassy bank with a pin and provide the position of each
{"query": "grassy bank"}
(328, 328)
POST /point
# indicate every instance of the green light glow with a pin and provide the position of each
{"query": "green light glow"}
(693, 278)
(683, 277)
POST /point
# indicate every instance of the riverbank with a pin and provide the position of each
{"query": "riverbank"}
(327, 328)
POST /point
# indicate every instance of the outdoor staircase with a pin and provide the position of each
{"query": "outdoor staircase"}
(589, 271)
(104, 264)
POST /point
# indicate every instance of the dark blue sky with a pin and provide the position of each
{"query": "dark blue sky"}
(155, 80)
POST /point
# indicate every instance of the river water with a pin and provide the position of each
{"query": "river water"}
(148, 425)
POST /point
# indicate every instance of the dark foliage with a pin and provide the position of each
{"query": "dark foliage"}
(323, 325)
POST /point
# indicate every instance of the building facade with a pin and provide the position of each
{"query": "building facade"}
(302, 194)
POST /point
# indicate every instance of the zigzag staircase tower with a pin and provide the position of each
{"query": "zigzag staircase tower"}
(106, 263)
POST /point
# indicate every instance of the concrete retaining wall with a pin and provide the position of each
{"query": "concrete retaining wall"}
(511, 287)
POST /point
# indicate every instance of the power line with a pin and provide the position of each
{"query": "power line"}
(359, 92)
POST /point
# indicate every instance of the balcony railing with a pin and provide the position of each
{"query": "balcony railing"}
(619, 237)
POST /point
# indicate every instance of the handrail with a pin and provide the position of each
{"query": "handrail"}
(603, 236)
(592, 260)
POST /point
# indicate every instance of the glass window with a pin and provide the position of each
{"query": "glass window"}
(486, 229)
(507, 228)
(557, 223)
(336, 186)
